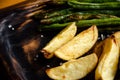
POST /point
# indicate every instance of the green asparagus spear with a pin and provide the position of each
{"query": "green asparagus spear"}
(59, 13)
(53, 20)
(97, 1)
(86, 23)
(72, 11)
(99, 22)
(74, 17)
(86, 16)
(109, 12)
(61, 2)
(87, 6)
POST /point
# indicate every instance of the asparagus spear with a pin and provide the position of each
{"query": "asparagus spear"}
(53, 20)
(74, 17)
(86, 23)
(97, 1)
(109, 12)
(62, 2)
(73, 11)
(85, 5)
(53, 13)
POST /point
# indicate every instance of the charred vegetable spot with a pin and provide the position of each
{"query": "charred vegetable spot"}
(75, 17)
(46, 54)
(113, 37)
(63, 76)
(115, 41)
(45, 21)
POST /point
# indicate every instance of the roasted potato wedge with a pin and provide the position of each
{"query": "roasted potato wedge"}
(108, 60)
(74, 69)
(117, 36)
(79, 45)
(61, 38)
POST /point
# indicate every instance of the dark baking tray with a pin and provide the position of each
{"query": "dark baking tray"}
(21, 63)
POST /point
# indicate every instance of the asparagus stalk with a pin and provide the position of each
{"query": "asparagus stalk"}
(85, 5)
(53, 13)
(72, 11)
(109, 12)
(103, 23)
(74, 17)
(96, 1)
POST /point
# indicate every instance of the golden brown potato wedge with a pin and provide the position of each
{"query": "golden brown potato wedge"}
(117, 36)
(79, 45)
(108, 60)
(74, 69)
(64, 36)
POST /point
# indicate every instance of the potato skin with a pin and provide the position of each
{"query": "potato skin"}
(79, 45)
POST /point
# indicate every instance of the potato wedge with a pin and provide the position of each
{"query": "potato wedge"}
(117, 36)
(79, 45)
(61, 38)
(108, 61)
(74, 69)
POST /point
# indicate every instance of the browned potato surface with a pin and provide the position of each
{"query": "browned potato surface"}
(79, 45)
(61, 38)
(74, 69)
(108, 61)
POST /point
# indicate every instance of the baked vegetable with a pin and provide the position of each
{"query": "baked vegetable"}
(87, 6)
(75, 17)
(60, 39)
(74, 69)
(101, 23)
(108, 61)
(79, 45)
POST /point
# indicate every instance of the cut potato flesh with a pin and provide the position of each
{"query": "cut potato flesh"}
(74, 69)
(108, 61)
(79, 45)
(64, 36)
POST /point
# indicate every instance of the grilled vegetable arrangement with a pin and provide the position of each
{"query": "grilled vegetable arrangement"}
(78, 39)
(77, 67)
(60, 13)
